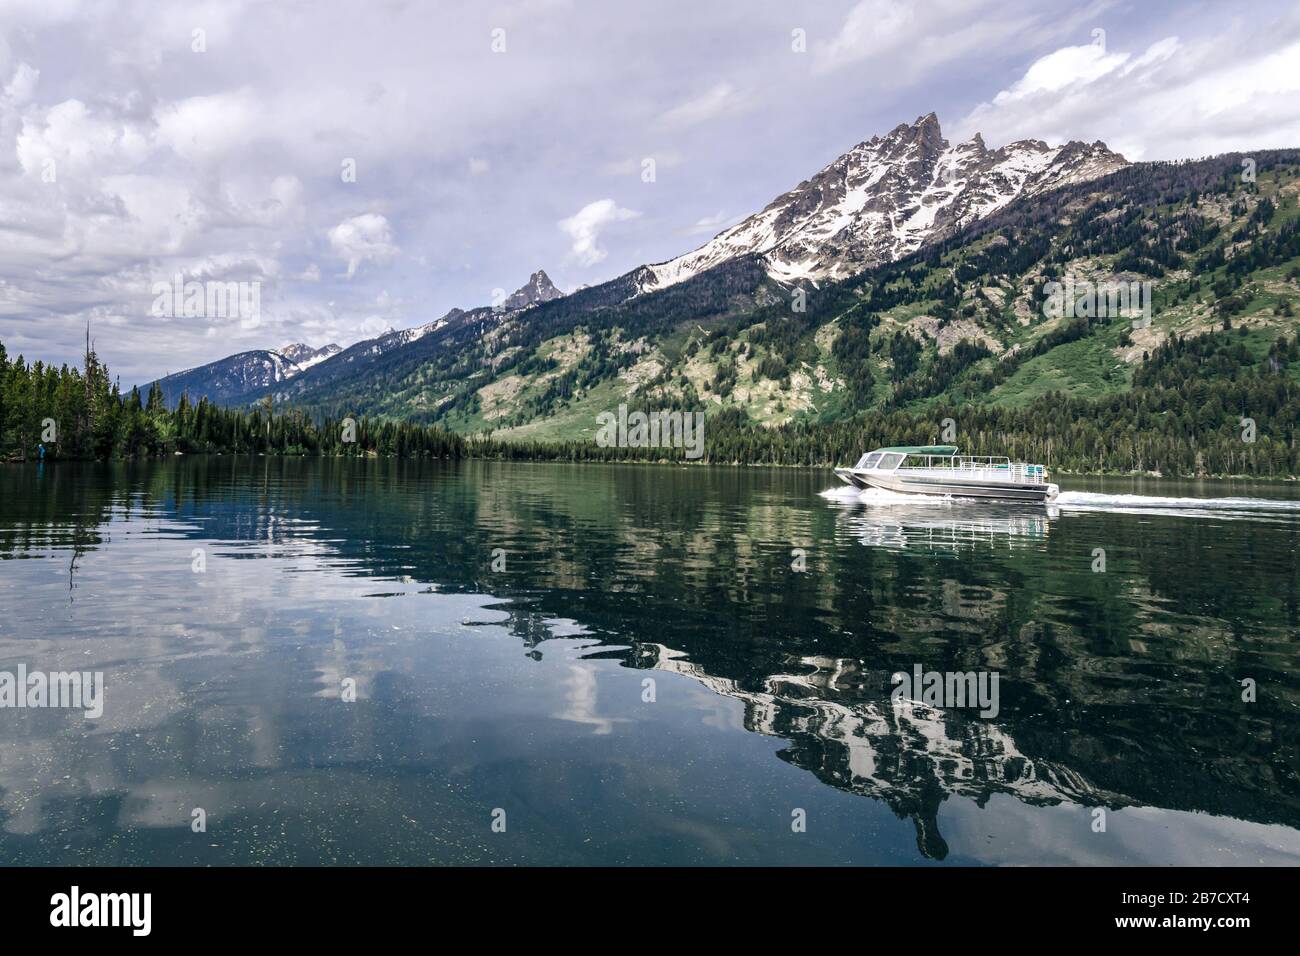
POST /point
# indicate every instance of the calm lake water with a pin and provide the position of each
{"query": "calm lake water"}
(625, 664)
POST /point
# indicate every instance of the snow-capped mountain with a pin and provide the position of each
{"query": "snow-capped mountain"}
(244, 376)
(536, 290)
(349, 361)
(885, 198)
(246, 372)
(304, 356)
(880, 201)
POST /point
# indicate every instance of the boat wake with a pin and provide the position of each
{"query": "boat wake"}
(879, 496)
(1154, 504)
(1088, 501)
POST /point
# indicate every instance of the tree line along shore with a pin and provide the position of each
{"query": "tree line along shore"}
(1203, 406)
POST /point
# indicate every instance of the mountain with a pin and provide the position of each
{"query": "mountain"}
(881, 200)
(961, 322)
(353, 370)
(244, 374)
(907, 276)
(539, 288)
(250, 376)
(304, 356)
(887, 197)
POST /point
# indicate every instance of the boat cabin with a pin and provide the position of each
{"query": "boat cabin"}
(887, 459)
(942, 458)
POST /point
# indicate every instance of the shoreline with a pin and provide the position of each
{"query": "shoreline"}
(1153, 476)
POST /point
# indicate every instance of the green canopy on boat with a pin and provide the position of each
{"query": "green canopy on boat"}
(944, 450)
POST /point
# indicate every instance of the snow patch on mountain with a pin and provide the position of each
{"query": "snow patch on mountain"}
(304, 356)
(885, 198)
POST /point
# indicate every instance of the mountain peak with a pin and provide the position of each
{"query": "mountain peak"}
(924, 129)
(538, 288)
(304, 356)
(884, 199)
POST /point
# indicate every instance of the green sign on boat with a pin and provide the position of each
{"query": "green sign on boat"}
(922, 449)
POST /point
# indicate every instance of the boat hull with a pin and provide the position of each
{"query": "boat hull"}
(970, 487)
(847, 476)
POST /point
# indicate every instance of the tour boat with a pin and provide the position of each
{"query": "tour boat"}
(939, 470)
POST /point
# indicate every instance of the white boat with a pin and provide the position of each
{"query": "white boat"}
(939, 470)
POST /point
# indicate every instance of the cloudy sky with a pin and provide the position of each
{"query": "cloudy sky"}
(372, 165)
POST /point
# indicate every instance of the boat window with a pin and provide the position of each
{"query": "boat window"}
(890, 462)
(869, 460)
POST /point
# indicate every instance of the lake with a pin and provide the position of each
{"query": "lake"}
(400, 662)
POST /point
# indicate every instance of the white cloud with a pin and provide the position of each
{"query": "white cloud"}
(585, 226)
(1071, 64)
(479, 167)
(363, 238)
(203, 127)
(222, 267)
(898, 42)
(871, 28)
(78, 139)
(1175, 99)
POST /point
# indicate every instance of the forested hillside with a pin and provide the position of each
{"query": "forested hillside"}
(960, 323)
(49, 412)
(1182, 417)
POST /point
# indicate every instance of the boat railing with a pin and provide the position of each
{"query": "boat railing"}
(997, 466)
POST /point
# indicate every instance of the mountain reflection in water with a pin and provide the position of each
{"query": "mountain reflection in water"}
(1119, 690)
